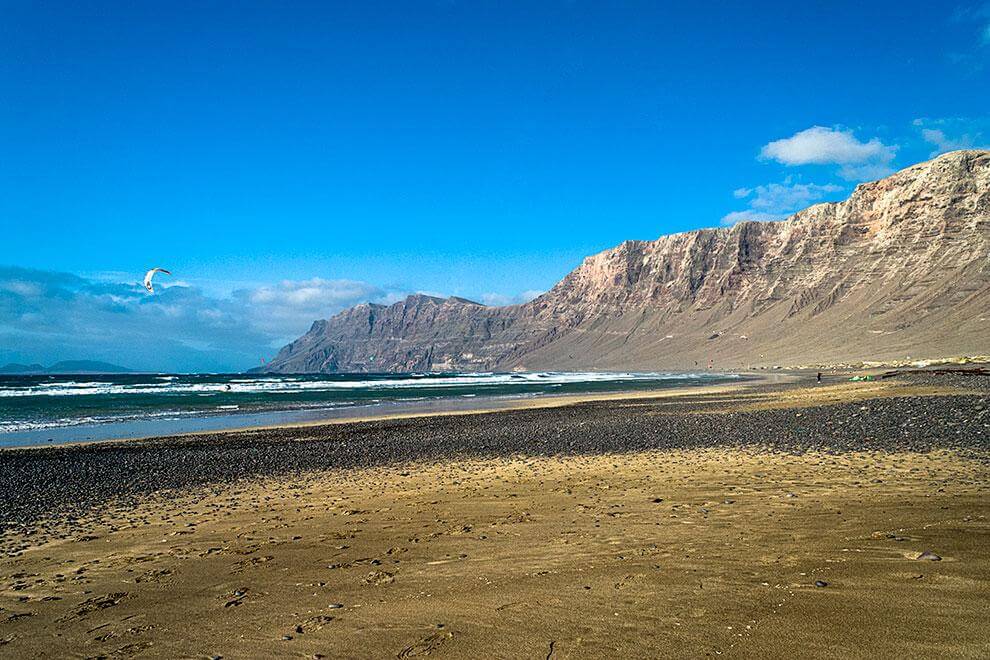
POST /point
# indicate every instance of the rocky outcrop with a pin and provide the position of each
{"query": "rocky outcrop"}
(900, 268)
(417, 334)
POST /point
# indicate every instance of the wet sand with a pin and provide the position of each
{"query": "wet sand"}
(693, 526)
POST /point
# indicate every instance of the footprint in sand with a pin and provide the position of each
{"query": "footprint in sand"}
(247, 550)
(314, 623)
(253, 562)
(425, 646)
(379, 578)
(625, 581)
(96, 604)
(159, 575)
(514, 606)
(129, 650)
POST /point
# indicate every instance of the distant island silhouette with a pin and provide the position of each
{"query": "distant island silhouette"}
(66, 367)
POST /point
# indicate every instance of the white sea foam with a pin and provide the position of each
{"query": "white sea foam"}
(40, 398)
(289, 384)
(16, 425)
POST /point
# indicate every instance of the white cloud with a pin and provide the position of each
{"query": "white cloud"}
(820, 145)
(775, 201)
(496, 299)
(432, 294)
(501, 299)
(943, 143)
(954, 133)
(20, 287)
(732, 218)
(787, 196)
(48, 316)
(866, 172)
(287, 308)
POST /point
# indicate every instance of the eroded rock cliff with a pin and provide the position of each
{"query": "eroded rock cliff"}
(900, 268)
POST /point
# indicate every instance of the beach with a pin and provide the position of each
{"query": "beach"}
(755, 520)
(54, 409)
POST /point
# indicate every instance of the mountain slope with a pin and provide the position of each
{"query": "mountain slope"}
(900, 268)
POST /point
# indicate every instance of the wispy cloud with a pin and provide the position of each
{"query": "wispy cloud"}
(47, 316)
(820, 145)
(971, 53)
(977, 15)
(950, 134)
(787, 196)
(501, 299)
(282, 309)
(775, 201)
(734, 217)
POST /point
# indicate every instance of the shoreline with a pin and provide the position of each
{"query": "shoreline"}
(791, 416)
(440, 408)
(748, 382)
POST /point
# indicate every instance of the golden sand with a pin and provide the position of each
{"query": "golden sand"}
(668, 554)
(675, 554)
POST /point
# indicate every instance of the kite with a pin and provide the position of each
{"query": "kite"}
(150, 274)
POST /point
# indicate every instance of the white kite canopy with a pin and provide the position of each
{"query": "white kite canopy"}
(150, 274)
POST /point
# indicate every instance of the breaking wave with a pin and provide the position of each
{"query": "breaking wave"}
(175, 385)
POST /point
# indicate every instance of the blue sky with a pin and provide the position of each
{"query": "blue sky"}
(288, 160)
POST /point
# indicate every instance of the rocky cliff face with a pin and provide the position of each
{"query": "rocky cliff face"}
(900, 268)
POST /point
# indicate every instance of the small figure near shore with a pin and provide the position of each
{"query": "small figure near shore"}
(819, 376)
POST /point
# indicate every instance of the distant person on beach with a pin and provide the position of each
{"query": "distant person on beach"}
(819, 376)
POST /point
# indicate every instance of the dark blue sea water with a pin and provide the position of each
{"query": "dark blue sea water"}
(40, 409)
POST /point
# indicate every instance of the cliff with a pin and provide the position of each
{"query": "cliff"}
(901, 268)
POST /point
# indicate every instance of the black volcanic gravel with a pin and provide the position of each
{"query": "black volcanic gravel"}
(37, 484)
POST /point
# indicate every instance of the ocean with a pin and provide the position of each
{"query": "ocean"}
(41, 409)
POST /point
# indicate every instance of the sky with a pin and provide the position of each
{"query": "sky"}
(288, 160)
